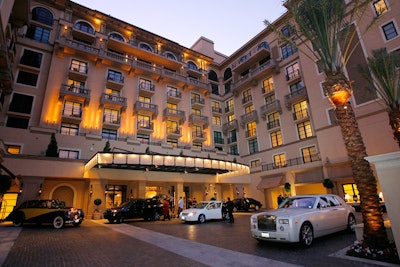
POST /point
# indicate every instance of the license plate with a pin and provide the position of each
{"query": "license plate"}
(264, 234)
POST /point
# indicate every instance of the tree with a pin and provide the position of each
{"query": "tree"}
(107, 147)
(383, 75)
(322, 27)
(52, 148)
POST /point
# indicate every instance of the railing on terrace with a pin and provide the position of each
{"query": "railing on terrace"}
(291, 162)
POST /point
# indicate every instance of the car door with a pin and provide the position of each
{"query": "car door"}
(340, 219)
(213, 210)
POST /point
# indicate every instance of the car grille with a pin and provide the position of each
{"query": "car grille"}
(266, 222)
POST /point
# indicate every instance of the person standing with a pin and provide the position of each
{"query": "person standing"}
(165, 210)
(229, 207)
(181, 204)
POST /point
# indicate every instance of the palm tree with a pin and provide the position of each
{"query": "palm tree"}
(383, 76)
(323, 28)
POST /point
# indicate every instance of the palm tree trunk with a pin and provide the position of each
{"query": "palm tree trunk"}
(374, 230)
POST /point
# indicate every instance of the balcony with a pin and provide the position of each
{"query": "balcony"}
(196, 85)
(230, 126)
(198, 120)
(111, 122)
(198, 137)
(194, 72)
(231, 140)
(293, 76)
(115, 82)
(145, 127)
(174, 77)
(174, 97)
(229, 109)
(174, 132)
(217, 110)
(146, 68)
(146, 109)
(251, 133)
(72, 116)
(252, 57)
(114, 101)
(146, 89)
(174, 114)
(117, 60)
(301, 115)
(272, 125)
(247, 100)
(291, 162)
(248, 117)
(74, 93)
(198, 103)
(81, 34)
(272, 107)
(73, 47)
(296, 96)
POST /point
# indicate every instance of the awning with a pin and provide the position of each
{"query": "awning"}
(311, 176)
(270, 182)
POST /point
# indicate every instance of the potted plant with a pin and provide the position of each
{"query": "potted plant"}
(287, 187)
(328, 183)
(97, 213)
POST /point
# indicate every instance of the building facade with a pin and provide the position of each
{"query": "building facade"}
(137, 115)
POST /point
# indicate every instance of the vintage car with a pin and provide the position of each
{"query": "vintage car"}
(246, 204)
(146, 208)
(202, 211)
(303, 218)
(46, 211)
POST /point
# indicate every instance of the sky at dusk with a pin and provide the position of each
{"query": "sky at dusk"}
(229, 24)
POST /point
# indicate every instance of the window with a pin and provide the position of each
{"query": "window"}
(191, 65)
(144, 99)
(287, 31)
(42, 15)
(229, 106)
(269, 99)
(218, 138)
(16, 122)
(169, 55)
(276, 139)
(351, 193)
(146, 84)
(251, 129)
(39, 34)
(111, 116)
(230, 117)
(173, 127)
(216, 107)
(195, 98)
(115, 76)
(304, 130)
(253, 146)
(287, 50)
(144, 121)
(273, 120)
(117, 36)
(173, 142)
(280, 160)
(196, 111)
(309, 154)
(68, 154)
(197, 131)
(232, 137)
(380, 7)
(246, 96)
(197, 145)
(389, 30)
(248, 109)
(255, 163)
(31, 58)
(108, 134)
(73, 109)
(292, 71)
(295, 87)
(13, 149)
(79, 66)
(145, 47)
(332, 117)
(216, 120)
(69, 129)
(143, 138)
(27, 78)
(21, 103)
(173, 91)
(300, 110)
(233, 150)
(85, 27)
(268, 85)
(112, 92)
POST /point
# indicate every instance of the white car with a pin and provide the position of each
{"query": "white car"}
(302, 218)
(202, 211)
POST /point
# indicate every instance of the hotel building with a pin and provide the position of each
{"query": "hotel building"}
(137, 115)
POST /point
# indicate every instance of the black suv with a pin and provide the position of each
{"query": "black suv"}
(146, 208)
(246, 203)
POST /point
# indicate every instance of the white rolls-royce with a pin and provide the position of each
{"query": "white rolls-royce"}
(303, 218)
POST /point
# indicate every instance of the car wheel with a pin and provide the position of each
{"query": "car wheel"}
(202, 218)
(306, 234)
(58, 222)
(120, 219)
(111, 220)
(156, 216)
(235, 209)
(257, 207)
(351, 223)
(18, 220)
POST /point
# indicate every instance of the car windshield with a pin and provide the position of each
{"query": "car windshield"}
(200, 205)
(298, 203)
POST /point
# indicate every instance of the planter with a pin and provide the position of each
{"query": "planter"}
(359, 229)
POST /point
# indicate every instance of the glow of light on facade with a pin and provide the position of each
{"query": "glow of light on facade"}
(53, 113)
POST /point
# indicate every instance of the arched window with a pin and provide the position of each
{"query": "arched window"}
(84, 26)
(227, 81)
(227, 74)
(212, 76)
(191, 65)
(169, 55)
(42, 15)
(145, 47)
(117, 36)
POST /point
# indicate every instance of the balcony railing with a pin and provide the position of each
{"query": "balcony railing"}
(76, 92)
(296, 96)
(115, 100)
(274, 106)
(248, 117)
(232, 125)
(291, 162)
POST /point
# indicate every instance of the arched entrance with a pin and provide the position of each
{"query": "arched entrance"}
(64, 193)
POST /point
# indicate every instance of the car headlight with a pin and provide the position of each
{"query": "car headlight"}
(191, 213)
(283, 221)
